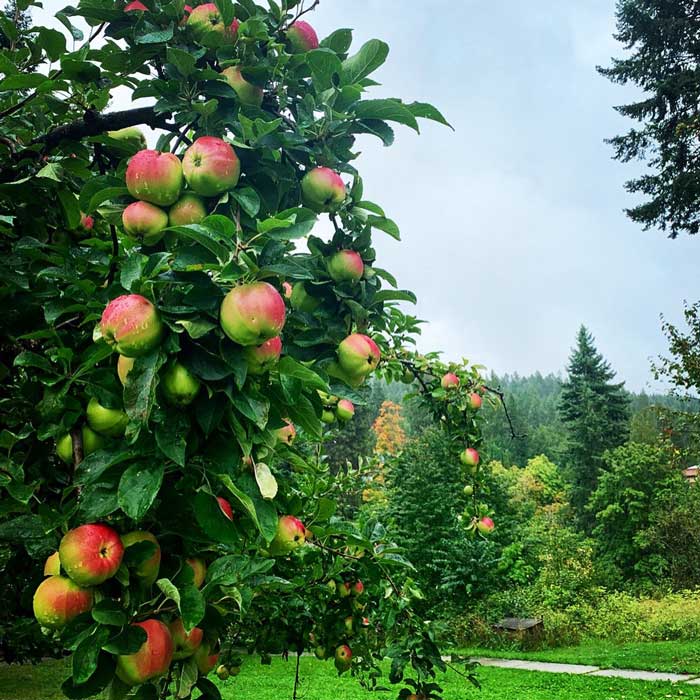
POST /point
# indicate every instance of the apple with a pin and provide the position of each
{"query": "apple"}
(189, 209)
(208, 29)
(345, 266)
(475, 401)
(152, 659)
(287, 290)
(199, 568)
(323, 189)
(145, 222)
(301, 37)
(358, 355)
(261, 358)
(287, 433)
(345, 409)
(345, 589)
(184, 644)
(180, 386)
(332, 586)
(91, 443)
(58, 600)
(222, 673)
(130, 135)
(248, 94)
(252, 313)
(301, 300)
(186, 12)
(485, 525)
(290, 534)
(328, 416)
(110, 422)
(349, 624)
(210, 165)
(146, 571)
(205, 657)
(470, 457)
(87, 223)
(320, 653)
(343, 658)
(225, 507)
(135, 6)
(154, 177)
(449, 381)
(90, 554)
(468, 490)
(124, 366)
(358, 588)
(131, 324)
(52, 566)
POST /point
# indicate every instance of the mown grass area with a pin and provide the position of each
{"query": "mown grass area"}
(674, 657)
(320, 682)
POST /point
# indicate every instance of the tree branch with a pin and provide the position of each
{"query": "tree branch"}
(296, 676)
(502, 397)
(76, 436)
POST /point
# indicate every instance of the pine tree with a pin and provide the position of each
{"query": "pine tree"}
(595, 411)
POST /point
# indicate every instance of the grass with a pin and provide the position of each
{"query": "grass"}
(674, 657)
(319, 682)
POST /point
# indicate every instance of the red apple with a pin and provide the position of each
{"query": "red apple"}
(252, 313)
(344, 589)
(136, 6)
(184, 644)
(52, 566)
(131, 324)
(180, 386)
(262, 358)
(124, 366)
(449, 381)
(206, 657)
(346, 266)
(199, 568)
(358, 355)
(358, 588)
(290, 534)
(110, 422)
(470, 457)
(210, 165)
(475, 401)
(90, 554)
(87, 223)
(145, 222)
(323, 189)
(248, 94)
(189, 209)
(91, 443)
(146, 571)
(301, 37)
(225, 507)
(343, 658)
(208, 29)
(152, 659)
(186, 12)
(345, 409)
(287, 433)
(58, 600)
(155, 177)
(485, 525)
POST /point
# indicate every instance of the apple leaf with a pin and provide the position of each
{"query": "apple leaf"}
(266, 480)
(386, 110)
(139, 487)
(109, 612)
(211, 519)
(370, 56)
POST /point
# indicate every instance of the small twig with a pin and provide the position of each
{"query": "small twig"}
(303, 11)
(501, 395)
(182, 136)
(76, 436)
(336, 552)
(296, 676)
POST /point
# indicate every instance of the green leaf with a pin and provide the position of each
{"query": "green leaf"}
(69, 204)
(169, 590)
(186, 679)
(208, 238)
(78, 70)
(157, 36)
(22, 81)
(386, 225)
(339, 41)
(192, 606)
(105, 195)
(248, 504)
(198, 327)
(248, 198)
(365, 61)
(85, 655)
(291, 368)
(52, 41)
(171, 438)
(324, 64)
(394, 295)
(128, 641)
(139, 487)
(75, 32)
(109, 612)
(423, 110)
(183, 61)
(266, 481)
(140, 391)
(386, 110)
(97, 682)
(97, 463)
(131, 269)
(212, 520)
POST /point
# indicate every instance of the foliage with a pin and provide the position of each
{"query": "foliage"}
(659, 38)
(390, 437)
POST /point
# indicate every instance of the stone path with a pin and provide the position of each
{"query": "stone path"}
(581, 670)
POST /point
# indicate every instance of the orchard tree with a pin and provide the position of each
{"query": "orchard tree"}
(170, 348)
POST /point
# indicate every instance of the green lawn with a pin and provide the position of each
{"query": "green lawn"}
(675, 657)
(320, 682)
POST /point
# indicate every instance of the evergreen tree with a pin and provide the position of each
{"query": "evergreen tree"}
(595, 411)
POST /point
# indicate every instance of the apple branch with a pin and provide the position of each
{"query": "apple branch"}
(502, 397)
(76, 436)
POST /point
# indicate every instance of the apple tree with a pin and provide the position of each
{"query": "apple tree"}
(179, 337)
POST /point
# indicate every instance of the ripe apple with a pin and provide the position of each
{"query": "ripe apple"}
(146, 571)
(345, 409)
(184, 644)
(358, 588)
(301, 37)
(180, 386)
(199, 568)
(189, 209)
(208, 29)
(301, 300)
(154, 177)
(328, 416)
(225, 507)
(290, 534)
(475, 401)
(470, 457)
(58, 600)
(130, 135)
(110, 422)
(323, 189)
(152, 659)
(145, 222)
(252, 313)
(87, 223)
(248, 94)
(90, 554)
(343, 658)
(52, 566)
(345, 266)
(131, 324)
(91, 443)
(135, 6)
(449, 381)
(210, 165)
(358, 355)
(485, 525)
(287, 433)
(262, 358)
(205, 657)
(124, 366)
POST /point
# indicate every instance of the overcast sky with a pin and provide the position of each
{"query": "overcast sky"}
(513, 226)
